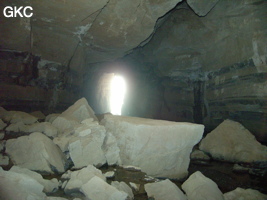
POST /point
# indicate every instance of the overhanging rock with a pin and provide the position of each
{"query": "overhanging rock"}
(159, 148)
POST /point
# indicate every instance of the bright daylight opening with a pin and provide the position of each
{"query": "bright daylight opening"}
(117, 93)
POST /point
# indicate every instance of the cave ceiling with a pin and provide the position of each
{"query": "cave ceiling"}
(103, 30)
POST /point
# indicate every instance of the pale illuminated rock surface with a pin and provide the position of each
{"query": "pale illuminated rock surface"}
(93, 187)
(159, 148)
(36, 152)
(164, 190)
(231, 141)
(244, 194)
(199, 187)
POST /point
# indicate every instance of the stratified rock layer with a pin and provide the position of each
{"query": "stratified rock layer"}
(159, 148)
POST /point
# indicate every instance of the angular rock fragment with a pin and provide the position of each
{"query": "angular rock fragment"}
(121, 186)
(2, 124)
(87, 150)
(199, 187)
(135, 186)
(17, 127)
(18, 116)
(36, 152)
(244, 194)
(38, 115)
(4, 160)
(64, 123)
(51, 117)
(231, 141)
(80, 177)
(160, 148)
(49, 185)
(111, 149)
(164, 190)
(110, 174)
(2, 135)
(98, 189)
(199, 155)
(43, 127)
(15, 186)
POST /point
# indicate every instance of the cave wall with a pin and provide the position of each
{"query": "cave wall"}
(215, 65)
(30, 83)
(237, 92)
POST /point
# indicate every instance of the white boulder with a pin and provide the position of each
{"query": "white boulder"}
(44, 127)
(49, 185)
(87, 150)
(199, 187)
(18, 116)
(55, 198)
(36, 152)
(121, 186)
(166, 190)
(97, 189)
(15, 186)
(17, 127)
(38, 115)
(111, 149)
(80, 177)
(244, 194)
(80, 111)
(160, 148)
(64, 123)
(231, 141)
(2, 124)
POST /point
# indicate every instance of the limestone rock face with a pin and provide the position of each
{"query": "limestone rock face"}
(80, 177)
(19, 186)
(202, 8)
(199, 187)
(244, 194)
(233, 142)
(49, 185)
(36, 152)
(98, 189)
(164, 190)
(159, 148)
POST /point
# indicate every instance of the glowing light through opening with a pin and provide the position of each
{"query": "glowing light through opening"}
(117, 93)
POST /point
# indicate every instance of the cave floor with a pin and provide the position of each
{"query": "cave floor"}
(220, 172)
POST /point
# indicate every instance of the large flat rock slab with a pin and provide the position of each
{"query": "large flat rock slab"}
(159, 148)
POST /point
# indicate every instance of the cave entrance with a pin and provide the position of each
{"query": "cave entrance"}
(117, 94)
(110, 93)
